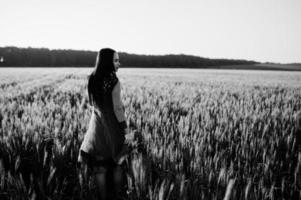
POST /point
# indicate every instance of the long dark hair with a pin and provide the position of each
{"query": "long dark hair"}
(104, 69)
(104, 63)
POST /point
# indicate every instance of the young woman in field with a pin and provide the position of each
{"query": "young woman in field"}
(102, 146)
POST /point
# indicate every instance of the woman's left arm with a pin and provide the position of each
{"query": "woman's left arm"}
(118, 106)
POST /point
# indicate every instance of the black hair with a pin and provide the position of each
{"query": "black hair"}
(104, 63)
(104, 68)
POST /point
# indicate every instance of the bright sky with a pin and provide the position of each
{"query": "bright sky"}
(261, 30)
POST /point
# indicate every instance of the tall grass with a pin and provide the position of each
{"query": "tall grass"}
(199, 139)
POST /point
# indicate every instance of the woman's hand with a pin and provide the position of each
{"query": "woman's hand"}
(123, 154)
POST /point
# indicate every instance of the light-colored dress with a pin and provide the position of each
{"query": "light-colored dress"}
(105, 137)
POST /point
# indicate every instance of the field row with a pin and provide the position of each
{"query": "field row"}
(199, 135)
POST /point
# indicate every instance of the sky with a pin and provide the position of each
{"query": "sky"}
(260, 30)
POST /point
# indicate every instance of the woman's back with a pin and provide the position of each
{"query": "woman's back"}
(105, 136)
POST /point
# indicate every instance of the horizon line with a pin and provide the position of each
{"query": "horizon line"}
(167, 54)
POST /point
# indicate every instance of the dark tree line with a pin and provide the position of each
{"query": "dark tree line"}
(43, 57)
(40, 57)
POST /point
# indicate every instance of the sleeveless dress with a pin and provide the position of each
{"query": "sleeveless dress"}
(105, 136)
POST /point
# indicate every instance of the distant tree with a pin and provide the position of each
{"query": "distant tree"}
(43, 57)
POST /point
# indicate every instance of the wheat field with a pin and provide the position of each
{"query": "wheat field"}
(205, 134)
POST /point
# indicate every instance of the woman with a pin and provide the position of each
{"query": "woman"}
(104, 139)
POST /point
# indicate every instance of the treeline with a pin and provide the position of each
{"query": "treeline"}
(43, 57)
